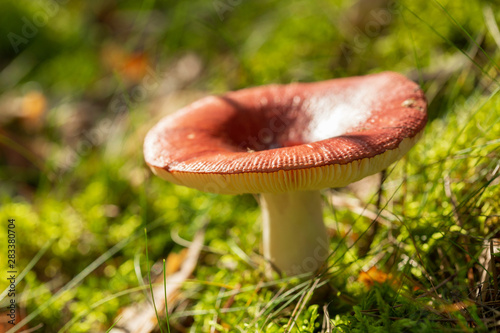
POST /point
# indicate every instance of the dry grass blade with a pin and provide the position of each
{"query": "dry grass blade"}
(489, 18)
(487, 291)
(301, 303)
(357, 207)
(141, 318)
(327, 325)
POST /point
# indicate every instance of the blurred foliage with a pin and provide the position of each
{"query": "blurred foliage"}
(81, 82)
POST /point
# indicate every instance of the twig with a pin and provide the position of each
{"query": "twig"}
(227, 305)
(439, 285)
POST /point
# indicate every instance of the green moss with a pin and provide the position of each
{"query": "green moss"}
(104, 194)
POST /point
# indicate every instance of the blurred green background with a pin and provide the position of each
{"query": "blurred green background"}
(81, 82)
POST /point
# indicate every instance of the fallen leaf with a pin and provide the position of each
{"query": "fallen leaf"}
(135, 67)
(4, 321)
(174, 261)
(33, 106)
(132, 67)
(373, 275)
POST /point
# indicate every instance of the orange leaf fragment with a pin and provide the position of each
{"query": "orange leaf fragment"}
(373, 275)
(33, 107)
(132, 66)
(174, 261)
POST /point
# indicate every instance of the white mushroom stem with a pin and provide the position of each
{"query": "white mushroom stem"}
(294, 236)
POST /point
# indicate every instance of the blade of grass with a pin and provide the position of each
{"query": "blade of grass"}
(489, 18)
(165, 290)
(94, 306)
(30, 265)
(417, 61)
(114, 324)
(150, 283)
(453, 45)
(467, 33)
(81, 276)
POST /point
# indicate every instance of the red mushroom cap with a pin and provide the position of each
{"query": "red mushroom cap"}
(280, 138)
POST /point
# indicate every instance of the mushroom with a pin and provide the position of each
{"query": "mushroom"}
(287, 142)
